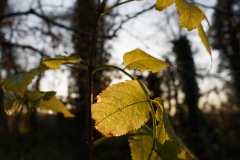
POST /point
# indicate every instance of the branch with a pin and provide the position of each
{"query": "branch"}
(32, 11)
(23, 46)
(217, 9)
(131, 17)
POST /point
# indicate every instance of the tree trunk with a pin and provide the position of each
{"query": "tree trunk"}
(187, 74)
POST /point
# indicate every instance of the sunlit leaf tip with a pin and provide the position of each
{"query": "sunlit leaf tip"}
(121, 108)
(204, 38)
(143, 61)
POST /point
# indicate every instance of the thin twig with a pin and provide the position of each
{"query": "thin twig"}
(32, 11)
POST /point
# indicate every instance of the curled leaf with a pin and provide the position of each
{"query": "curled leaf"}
(190, 14)
(55, 63)
(204, 38)
(140, 59)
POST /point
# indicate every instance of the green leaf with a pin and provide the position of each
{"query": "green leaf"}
(168, 145)
(56, 106)
(121, 108)
(34, 100)
(204, 38)
(40, 69)
(140, 59)
(19, 82)
(140, 145)
(48, 95)
(55, 63)
(14, 88)
(190, 14)
(170, 150)
(163, 4)
(12, 95)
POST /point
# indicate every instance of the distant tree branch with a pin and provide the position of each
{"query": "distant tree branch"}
(153, 6)
(131, 17)
(32, 11)
(217, 9)
(23, 46)
(83, 33)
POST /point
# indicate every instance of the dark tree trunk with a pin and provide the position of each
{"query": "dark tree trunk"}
(225, 33)
(195, 121)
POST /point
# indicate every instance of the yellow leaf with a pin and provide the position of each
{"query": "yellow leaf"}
(204, 38)
(190, 14)
(205, 17)
(55, 63)
(121, 108)
(56, 106)
(145, 62)
(163, 4)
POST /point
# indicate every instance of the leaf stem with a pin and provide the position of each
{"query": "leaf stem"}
(113, 67)
(153, 118)
(154, 130)
(100, 140)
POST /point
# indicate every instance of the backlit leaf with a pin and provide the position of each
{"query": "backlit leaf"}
(11, 95)
(121, 108)
(141, 144)
(163, 4)
(56, 106)
(140, 59)
(18, 82)
(168, 145)
(34, 100)
(48, 95)
(205, 17)
(55, 63)
(204, 38)
(170, 150)
(190, 15)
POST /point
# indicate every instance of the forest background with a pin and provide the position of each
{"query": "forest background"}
(203, 105)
